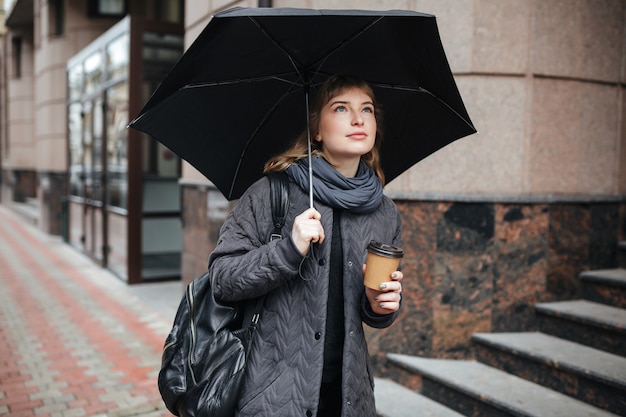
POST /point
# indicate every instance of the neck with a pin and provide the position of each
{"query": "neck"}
(347, 168)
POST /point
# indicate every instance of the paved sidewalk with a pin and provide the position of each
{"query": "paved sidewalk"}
(74, 339)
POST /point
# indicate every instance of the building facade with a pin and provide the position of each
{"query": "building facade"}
(76, 71)
(506, 218)
(493, 223)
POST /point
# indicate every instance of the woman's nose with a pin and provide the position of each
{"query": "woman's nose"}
(357, 120)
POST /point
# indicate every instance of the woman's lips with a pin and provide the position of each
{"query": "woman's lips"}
(358, 135)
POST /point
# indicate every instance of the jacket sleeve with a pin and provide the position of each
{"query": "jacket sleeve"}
(244, 264)
(377, 321)
(381, 321)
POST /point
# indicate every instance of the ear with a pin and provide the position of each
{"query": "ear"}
(318, 137)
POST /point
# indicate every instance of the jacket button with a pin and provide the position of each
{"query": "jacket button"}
(309, 413)
(318, 335)
(322, 262)
(349, 263)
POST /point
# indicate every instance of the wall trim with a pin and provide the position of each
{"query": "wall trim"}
(508, 198)
(468, 198)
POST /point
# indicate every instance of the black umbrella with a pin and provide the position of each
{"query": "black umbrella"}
(239, 94)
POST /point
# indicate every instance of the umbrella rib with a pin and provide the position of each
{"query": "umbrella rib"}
(252, 135)
(295, 65)
(345, 42)
(299, 66)
(239, 81)
(419, 89)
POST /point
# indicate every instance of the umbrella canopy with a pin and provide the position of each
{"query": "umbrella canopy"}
(239, 93)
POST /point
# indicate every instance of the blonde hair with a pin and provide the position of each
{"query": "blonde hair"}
(331, 88)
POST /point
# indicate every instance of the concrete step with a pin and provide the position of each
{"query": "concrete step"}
(395, 400)
(607, 286)
(593, 324)
(475, 389)
(29, 210)
(588, 374)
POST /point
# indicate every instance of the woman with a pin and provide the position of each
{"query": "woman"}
(309, 355)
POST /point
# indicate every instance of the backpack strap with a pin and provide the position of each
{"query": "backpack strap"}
(279, 198)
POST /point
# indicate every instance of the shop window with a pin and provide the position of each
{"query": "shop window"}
(16, 50)
(93, 72)
(107, 8)
(75, 81)
(169, 11)
(117, 57)
(76, 150)
(56, 17)
(103, 177)
(117, 119)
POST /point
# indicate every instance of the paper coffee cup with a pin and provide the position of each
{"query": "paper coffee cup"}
(382, 261)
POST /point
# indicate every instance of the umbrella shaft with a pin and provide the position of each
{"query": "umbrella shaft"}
(308, 137)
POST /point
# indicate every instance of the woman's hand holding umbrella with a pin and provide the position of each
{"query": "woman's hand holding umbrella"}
(307, 229)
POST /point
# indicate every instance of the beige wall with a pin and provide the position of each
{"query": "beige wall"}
(51, 87)
(541, 81)
(20, 152)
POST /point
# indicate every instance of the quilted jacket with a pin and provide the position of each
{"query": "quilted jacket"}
(284, 370)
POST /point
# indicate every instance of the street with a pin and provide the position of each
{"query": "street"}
(75, 339)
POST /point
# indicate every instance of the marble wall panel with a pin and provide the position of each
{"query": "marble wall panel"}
(463, 276)
(414, 327)
(204, 210)
(603, 241)
(569, 249)
(520, 253)
(196, 242)
(469, 267)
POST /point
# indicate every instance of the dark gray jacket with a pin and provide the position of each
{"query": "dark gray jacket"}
(284, 370)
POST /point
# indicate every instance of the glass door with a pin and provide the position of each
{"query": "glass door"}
(92, 176)
(124, 203)
(117, 177)
(76, 221)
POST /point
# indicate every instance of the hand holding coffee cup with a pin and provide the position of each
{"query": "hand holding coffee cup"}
(382, 261)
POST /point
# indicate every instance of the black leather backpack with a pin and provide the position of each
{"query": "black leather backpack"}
(205, 353)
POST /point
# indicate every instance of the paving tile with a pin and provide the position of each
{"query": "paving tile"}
(74, 340)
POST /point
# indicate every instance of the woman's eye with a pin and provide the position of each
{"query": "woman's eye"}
(368, 110)
(340, 109)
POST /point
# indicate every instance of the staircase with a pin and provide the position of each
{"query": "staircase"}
(575, 365)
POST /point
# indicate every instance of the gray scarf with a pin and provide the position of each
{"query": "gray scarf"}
(361, 194)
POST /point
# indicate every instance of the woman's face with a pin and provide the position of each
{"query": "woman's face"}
(347, 128)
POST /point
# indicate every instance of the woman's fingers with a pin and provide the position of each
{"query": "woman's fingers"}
(307, 228)
(387, 299)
